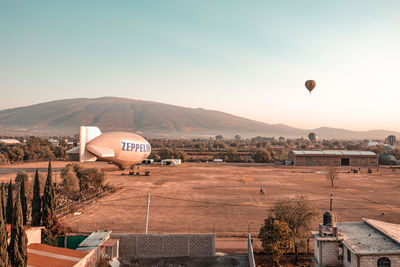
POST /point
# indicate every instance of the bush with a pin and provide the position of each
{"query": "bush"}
(88, 179)
(94, 178)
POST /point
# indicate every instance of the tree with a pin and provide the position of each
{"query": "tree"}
(9, 208)
(36, 202)
(17, 250)
(298, 213)
(4, 260)
(219, 137)
(70, 182)
(23, 201)
(275, 238)
(21, 175)
(332, 175)
(48, 201)
(165, 153)
(262, 155)
(3, 201)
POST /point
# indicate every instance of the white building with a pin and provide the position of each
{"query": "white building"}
(9, 141)
(172, 162)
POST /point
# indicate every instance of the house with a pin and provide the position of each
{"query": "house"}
(369, 243)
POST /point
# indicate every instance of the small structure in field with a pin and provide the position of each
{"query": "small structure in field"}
(171, 162)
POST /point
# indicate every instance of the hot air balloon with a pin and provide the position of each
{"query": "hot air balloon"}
(313, 137)
(310, 85)
(391, 139)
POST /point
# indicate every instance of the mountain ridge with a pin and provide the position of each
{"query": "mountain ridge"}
(63, 117)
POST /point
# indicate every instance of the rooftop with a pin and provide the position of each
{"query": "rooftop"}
(367, 237)
(94, 240)
(333, 153)
(44, 255)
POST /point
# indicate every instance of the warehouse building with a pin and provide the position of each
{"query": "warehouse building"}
(333, 158)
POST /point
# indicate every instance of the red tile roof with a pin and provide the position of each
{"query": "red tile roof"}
(44, 255)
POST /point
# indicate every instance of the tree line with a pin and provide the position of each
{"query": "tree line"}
(14, 211)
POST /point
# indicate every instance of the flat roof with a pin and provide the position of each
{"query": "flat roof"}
(44, 255)
(94, 240)
(362, 238)
(332, 153)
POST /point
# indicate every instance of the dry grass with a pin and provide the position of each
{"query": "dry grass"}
(225, 198)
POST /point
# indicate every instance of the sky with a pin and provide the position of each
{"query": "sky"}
(247, 58)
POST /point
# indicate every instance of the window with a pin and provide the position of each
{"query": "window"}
(348, 255)
(383, 262)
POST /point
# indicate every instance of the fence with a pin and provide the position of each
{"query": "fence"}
(82, 203)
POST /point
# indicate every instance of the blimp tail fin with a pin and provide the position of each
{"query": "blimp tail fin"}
(86, 134)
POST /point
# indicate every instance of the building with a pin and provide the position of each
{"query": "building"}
(9, 141)
(369, 243)
(333, 158)
(88, 254)
(171, 162)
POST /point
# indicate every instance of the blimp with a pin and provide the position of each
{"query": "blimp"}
(123, 149)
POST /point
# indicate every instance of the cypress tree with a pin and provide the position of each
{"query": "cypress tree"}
(36, 202)
(48, 201)
(4, 261)
(23, 201)
(9, 208)
(3, 201)
(17, 250)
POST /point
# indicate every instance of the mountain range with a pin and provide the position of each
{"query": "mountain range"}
(63, 117)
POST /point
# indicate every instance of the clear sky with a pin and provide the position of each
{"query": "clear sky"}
(248, 58)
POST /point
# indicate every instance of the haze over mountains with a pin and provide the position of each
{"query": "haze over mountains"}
(63, 117)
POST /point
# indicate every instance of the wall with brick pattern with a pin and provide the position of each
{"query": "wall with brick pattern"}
(329, 253)
(165, 245)
(371, 261)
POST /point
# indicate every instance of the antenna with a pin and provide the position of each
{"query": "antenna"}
(330, 203)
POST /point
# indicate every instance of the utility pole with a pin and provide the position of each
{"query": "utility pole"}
(147, 214)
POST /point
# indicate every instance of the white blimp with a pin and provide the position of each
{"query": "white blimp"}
(120, 148)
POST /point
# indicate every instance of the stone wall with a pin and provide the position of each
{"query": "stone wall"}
(165, 245)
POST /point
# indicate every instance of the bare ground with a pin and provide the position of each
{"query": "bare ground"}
(225, 198)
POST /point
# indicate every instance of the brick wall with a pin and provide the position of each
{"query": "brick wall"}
(165, 245)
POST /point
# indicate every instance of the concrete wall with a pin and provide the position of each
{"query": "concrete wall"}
(329, 253)
(317, 251)
(165, 245)
(34, 235)
(346, 262)
(371, 261)
(92, 259)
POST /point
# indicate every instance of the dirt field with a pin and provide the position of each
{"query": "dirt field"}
(225, 198)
